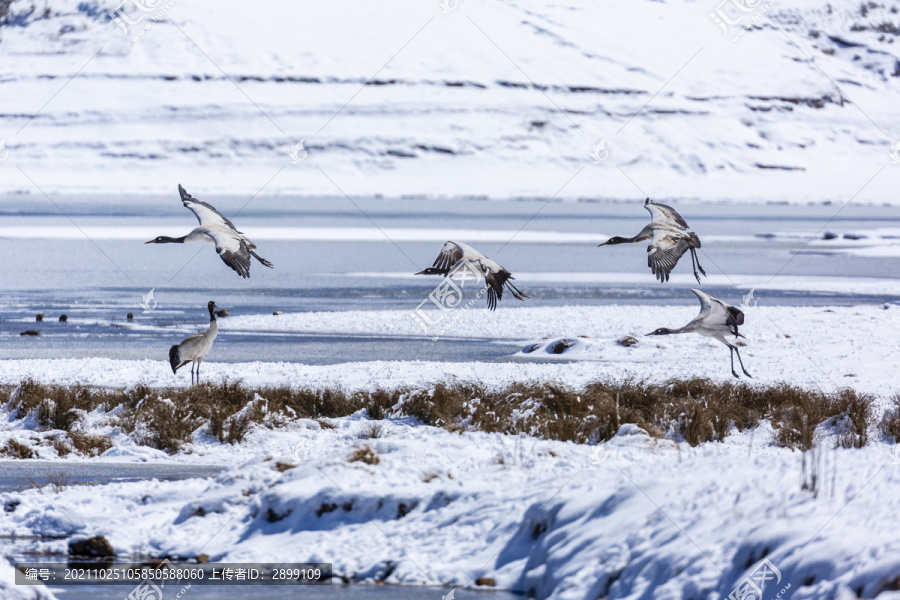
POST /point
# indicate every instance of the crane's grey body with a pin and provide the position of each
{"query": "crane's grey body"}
(717, 320)
(670, 237)
(455, 255)
(233, 247)
(193, 349)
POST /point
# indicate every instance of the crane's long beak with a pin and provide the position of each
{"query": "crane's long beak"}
(150, 242)
(421, 272)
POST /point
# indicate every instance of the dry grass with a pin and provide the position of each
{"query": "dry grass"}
(694, 410)
(373, 431)
(4, 10)
(627, 341)
(58, 481)
(56, 406)
(62, 447)
(889, 426)
(798, 416)
(364, 454)
(90, 445)
(16, 449)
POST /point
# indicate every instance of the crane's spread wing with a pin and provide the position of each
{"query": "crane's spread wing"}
(719, 312)
(705, 302)
(206, 214)
(450, 254)
(664, 252)
(666, 214)
(233, 248)
(495, 282)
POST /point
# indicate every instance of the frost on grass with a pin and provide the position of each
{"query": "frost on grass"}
(83, 421)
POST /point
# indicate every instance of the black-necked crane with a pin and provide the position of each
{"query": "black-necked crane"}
(454, 258)
(234, 247)
(670, 237)
(194, 348)
(716, 320)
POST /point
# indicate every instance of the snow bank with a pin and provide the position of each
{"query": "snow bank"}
(633, 518)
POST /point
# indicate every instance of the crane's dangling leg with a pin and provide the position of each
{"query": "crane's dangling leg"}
(742, 364)
(698, 263)
(695, 262)
(733, 372)
(198, 370)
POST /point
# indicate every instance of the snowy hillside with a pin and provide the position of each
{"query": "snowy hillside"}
(497, 99)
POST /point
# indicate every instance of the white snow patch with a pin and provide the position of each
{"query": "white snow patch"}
(651, 519)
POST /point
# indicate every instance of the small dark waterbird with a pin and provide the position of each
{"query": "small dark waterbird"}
(194, 348)
(716, 320)
(453, 259)
(669, 237)
(233, 247)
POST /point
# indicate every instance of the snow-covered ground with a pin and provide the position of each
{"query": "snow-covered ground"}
(633, 518)
(489, 99)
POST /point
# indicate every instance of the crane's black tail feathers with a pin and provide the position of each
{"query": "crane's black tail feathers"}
(173, 358)
(262, 260)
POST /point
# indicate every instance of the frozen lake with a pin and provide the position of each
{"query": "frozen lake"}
(335, 254)
(19, 474)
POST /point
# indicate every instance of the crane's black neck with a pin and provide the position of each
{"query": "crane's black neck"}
(620, 240)
(163, 239)
(433, 271)
(667, 331)
(212, 313)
